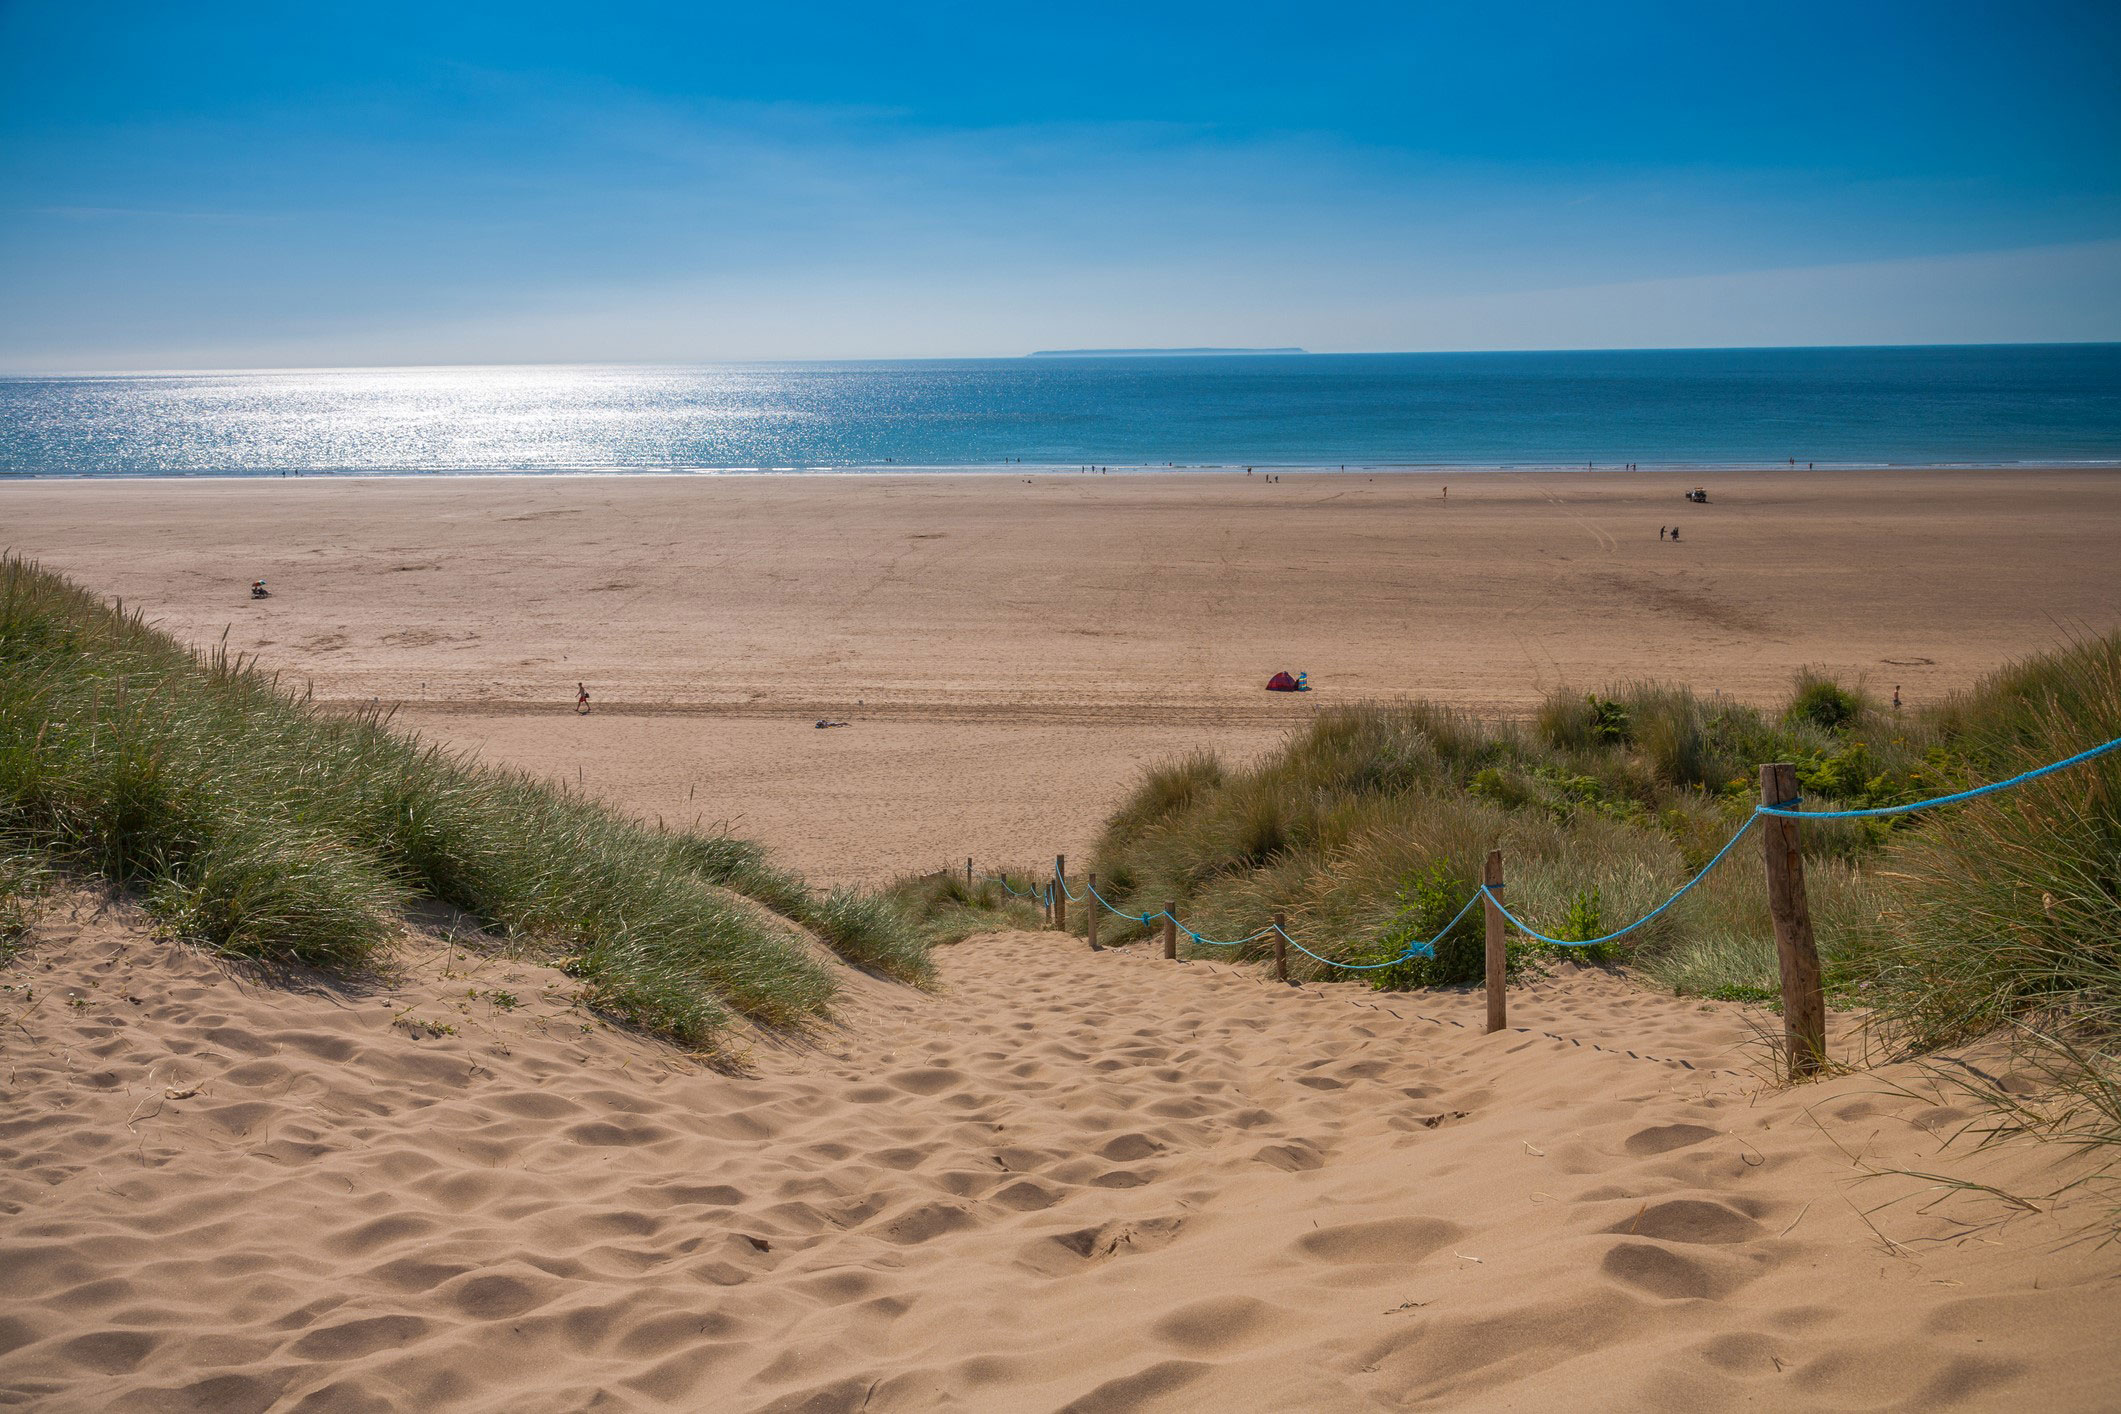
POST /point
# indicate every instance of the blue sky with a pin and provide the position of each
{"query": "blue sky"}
(227, 185)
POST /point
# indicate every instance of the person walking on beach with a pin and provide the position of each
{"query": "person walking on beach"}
(581, 700)
(1660, 532)
(1896, 697)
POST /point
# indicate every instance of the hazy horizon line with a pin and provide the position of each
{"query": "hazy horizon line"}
(1115, 356)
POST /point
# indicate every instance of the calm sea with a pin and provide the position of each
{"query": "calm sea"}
(1990, 405)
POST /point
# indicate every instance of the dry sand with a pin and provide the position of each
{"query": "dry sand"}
(1068, 1181)
(1063, 1181)
(1010, 653)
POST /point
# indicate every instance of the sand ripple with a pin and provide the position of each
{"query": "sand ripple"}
(1066, 1182)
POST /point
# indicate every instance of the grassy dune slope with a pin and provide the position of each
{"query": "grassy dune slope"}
(256, 823)
(1370, 826)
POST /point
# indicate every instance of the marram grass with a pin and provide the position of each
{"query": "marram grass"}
(257, 823)
(1369, 826)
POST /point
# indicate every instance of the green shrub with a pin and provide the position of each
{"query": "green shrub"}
(1425, 904)
(1821, 702)
(1505, 789)
(1582, 723)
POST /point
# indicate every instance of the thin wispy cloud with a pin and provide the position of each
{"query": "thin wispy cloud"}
(136, 213)
(535, 203)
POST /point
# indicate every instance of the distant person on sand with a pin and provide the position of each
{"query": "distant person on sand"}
(1896, 697)
(581, 700)
(1660, 532)
(1675, 532)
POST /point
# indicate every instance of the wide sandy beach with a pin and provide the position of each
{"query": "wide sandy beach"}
(1011, 650)
(1064, 1181)
(1060, 1180)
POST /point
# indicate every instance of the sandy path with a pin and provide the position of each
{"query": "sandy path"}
(1009, 652)
(1065, 1182)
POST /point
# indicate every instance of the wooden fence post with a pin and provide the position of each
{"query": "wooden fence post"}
(968, 871)
(1281, 949)
(1803, 996)
(1498, 957)
(1171, 931)
(1060, 892)
(1090, 914)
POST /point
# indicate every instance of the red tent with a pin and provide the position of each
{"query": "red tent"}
(1281, 682)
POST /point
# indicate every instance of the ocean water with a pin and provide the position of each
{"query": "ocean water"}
(1987, 405)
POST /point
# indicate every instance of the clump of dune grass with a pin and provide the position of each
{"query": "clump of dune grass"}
(22, 878)
(1820, 701)
(950, 910)
(2008, 908)
(1603, 805)
(867, 929)
(259, 824)
(2003, 915)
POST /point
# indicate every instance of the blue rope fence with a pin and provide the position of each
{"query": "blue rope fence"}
(1427, 949)
(1529, 931)
(1787, 810)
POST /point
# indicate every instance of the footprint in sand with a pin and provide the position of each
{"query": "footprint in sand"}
(924, 1221)
(929, 1080)
(1663, 1138)
(366, 1237)
(108, 1352)
(496, 1296)
(1399, 1241)
(1072, 1251)
(1140, 1390)
(1690, 1220)
(1660, 1272)
(1216, 1324)
(349, 1340)
(412, 1274)
(1128, 1147)
(1293, 1157)
(1026, 1196)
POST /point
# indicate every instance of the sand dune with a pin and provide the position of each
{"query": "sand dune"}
(1011, 653)
(1064, 1181)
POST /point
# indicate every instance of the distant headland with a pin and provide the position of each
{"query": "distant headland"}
(1148, 353)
